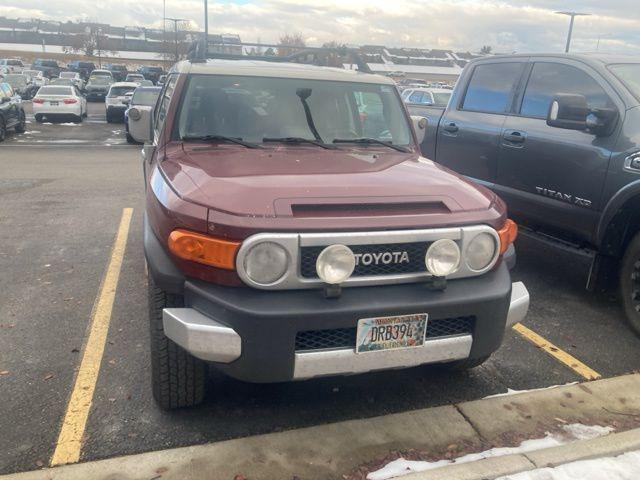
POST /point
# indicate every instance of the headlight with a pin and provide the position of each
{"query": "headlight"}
(266, 263)
(443, 257)
(335, 264)
(480, 251)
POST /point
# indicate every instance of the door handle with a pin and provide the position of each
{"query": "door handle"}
(451, 127)
(515, 137)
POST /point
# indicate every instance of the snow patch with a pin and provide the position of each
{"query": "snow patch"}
(623, 467)
(572, 432)
(69, 124)
(516, 392)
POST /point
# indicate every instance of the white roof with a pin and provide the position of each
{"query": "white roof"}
(125, 84)
(259, 68)
(97, 70)
(430, 90)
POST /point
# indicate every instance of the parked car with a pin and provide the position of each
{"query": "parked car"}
(37, 77)
(438, 97)
(98, 87)
(83, 68)
(54, 101)
(47, 66)
(21, 84)
(101, 73)
(272, 207)
(117, 101)
(11, 65)
(142, 96)
(75, 78)
(557, 136)
(134, 77)
(151, 73)
(11, 111)
(119, 72)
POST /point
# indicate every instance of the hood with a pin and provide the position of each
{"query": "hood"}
(307, 181)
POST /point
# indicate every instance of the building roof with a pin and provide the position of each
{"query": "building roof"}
(260, 68)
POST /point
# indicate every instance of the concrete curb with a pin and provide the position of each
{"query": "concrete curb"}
(328, 452)
(610, 445)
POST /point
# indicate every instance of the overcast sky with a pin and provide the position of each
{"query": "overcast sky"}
(508, 25)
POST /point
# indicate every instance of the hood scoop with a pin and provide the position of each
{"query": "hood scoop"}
(374, 208)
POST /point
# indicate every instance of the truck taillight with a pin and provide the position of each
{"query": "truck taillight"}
(70, 100)
(204, 249)
(508, 234)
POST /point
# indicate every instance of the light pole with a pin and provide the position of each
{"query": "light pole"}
(98, 33)
(573, 15)
(175, 32)
(603, 35)
(206, 24)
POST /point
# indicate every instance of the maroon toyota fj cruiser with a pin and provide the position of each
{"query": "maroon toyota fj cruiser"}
(293, 230)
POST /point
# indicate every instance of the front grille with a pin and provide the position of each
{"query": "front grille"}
(346, 337)
(415, 264)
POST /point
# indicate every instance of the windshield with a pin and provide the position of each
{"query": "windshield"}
(68, 75)
(55, 91)
(120, 91)
(15, 63)
(100, 80)
(254, 108)
(49, 63)
(135, 75)
(145, 97)
(103, 74)
(629, 74)
(16, 80)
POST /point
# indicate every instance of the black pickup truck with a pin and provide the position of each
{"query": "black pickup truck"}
(558, 138)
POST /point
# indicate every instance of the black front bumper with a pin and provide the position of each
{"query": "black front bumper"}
(268, 322)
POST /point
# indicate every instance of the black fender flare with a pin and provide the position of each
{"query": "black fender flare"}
(613, 206)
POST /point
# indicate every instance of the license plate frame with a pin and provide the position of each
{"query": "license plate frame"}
(378, 334)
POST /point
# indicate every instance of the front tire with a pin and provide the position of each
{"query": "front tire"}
(467, 364)
(630, 283)
(178, 378)
(22, 126)
(38, 117)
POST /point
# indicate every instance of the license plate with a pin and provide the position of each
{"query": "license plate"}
(53, 103)
(388, 333)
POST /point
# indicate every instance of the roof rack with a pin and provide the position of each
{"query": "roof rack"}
(200, 52)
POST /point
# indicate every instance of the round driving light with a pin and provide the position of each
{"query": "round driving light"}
(335, 264)
(480, 251)
(134, 114)
(266, 263)
(443, 257)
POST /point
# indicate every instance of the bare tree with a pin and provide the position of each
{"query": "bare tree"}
(486, 50)
(290, 40)
(92, 43)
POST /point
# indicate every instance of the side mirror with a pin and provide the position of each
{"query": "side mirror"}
(420, 126)
(571, 112)
(5, 100)
(140, 120)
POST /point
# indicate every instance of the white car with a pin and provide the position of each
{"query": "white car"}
(437, 97)
(38, 79)
(101, 73)
(135, 77)
(59, 101)
(74, 77)
(11, 65)
(118, 99)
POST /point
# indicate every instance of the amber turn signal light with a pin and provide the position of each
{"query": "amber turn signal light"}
(508, 234)
(204, 249)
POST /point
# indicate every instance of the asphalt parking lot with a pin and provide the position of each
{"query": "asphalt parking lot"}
(63, 189)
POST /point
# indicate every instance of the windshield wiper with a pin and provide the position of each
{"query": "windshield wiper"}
(371, 141)
(220, 138)
(298, 140)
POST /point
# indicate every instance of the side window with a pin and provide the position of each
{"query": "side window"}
(491, 87)
(549, 79)
(415, 97)
(163, 105)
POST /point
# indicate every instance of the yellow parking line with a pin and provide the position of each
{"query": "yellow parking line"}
(70, 439)
(559, 354)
